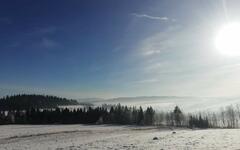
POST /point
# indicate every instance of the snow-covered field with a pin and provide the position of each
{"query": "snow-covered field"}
(84, 137)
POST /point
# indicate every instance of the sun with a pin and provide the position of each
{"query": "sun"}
(227, 40)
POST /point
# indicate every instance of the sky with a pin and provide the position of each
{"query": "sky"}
(107, 48)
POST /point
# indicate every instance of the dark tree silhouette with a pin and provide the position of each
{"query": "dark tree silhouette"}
(24, 102)
(177, 116)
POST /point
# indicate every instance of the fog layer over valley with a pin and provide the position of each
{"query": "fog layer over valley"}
(166, 103)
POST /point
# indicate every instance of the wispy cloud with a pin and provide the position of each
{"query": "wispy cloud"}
(48, 43)
(151, 17)
(161, 42)
(155, 45)
(151, 52)
(42, 31)
(151, 67)
(144, 81)
(40, 37)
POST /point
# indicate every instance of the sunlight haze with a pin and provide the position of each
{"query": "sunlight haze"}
(112, 49)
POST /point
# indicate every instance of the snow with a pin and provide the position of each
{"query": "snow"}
(107, 137)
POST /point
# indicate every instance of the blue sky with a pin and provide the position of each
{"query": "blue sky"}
(116, 48)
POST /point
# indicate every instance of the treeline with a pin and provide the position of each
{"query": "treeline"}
(39, 109)
(100, 115)
(116, 114)
(25, 102)
(227, 117)
(177, 118)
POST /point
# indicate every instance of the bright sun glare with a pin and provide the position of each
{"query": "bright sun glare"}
(228, 39)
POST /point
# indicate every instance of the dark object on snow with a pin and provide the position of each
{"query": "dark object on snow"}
(173, 132)
(155, 138)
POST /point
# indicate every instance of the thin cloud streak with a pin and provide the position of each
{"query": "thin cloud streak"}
(47, 43)
(147, 81)
(150, 17)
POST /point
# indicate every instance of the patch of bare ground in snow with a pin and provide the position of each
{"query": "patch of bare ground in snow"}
(103, 137)
(22, 137)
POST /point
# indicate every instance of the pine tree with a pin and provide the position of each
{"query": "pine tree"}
(140, 117)
(178, 116)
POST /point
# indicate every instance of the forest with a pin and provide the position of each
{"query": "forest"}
(39, 109)
(25, 102)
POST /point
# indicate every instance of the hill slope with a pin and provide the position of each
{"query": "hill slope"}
(23, 102)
